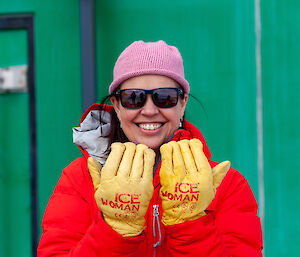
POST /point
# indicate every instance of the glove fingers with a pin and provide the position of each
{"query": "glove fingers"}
(188, 158)
(200, 158)
(166, 169)
(94, 168)
(149, 159)
(219, 172)
(113, 161)
(178, 162)
(126, 163)
(138, 162)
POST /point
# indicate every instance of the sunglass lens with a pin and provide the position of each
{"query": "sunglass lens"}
(133, 98)
(165, 97)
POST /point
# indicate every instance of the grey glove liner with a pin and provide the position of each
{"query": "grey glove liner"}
(93, 136)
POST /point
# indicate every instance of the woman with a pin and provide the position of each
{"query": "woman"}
(146, 185)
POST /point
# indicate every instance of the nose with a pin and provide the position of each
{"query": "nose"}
(149, 107)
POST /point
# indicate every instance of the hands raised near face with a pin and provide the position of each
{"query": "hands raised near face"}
(124, 185)
(188, 184)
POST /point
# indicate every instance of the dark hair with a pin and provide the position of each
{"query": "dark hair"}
(201, 104)
(116, 134)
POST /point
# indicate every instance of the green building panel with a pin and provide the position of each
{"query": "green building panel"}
(15, 211)
(58, 109)
(281, 94)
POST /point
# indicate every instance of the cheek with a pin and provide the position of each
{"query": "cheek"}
(173, 116)
(179, 111)
(127, 116)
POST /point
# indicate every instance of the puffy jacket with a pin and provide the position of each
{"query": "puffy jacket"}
(73, 224)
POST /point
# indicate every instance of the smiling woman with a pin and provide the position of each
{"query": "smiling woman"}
(146, 185)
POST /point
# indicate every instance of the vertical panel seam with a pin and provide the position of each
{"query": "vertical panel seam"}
(87, 38)
(259, 114)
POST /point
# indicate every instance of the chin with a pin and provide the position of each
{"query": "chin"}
(154, 146)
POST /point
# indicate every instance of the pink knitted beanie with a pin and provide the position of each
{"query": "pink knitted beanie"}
(141, 58)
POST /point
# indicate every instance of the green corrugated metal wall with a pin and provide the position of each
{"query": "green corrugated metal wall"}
(281, 94)
(217, 40)
(14, 155)
(58, 105)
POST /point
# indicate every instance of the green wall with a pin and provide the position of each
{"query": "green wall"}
(281, 94)
(14, 154)
(217, 41)
(58, 107)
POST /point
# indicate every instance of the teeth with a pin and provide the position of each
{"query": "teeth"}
(150, 126)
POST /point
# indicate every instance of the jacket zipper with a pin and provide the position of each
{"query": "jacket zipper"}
(156, 221)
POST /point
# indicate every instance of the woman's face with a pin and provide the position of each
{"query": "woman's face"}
(150, 125)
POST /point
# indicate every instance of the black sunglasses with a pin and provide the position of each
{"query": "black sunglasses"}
(161, 97)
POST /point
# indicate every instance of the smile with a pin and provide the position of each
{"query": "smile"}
(150, 126)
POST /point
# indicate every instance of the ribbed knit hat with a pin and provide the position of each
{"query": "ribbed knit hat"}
(141, 58)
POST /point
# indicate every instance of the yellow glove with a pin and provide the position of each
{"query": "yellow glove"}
(125, 186)
(95, 169)
(188, 185)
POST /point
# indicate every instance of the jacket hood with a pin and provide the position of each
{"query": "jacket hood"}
(92, 134)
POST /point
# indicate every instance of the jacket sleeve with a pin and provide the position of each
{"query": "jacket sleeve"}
(73, 224)
(230, 228)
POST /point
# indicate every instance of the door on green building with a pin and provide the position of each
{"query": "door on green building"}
(15, 211)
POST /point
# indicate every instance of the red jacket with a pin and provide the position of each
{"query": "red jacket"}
(73, 224)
